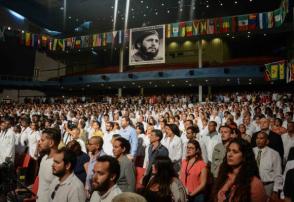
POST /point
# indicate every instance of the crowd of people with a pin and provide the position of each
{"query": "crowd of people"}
(159, 148)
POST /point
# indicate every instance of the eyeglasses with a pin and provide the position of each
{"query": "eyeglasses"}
(53, 193)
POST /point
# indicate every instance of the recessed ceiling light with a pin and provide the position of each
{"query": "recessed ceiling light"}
(142, 1)
(249, 83)
(186, 81)
(156, 13)
(233, 37)
(264, 34)
(249, 32)
(248, 36)
(22, 31)
(147, 6)
(162, 4)
(9, 28)
(228, 34)
(207, 6)
(155, 86)
(181, 9)
(228, 80)
(173, 85)
(62, 8)
(168, 11)
(250, 79)
(206, 80)
(221, 4)
(236, 2)
(69, 17)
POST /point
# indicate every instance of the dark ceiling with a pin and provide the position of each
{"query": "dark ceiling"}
(66, 16)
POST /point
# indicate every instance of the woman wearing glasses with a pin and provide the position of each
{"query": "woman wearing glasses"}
(194, 172)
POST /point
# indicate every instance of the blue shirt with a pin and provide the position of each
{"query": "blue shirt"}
(130, 134)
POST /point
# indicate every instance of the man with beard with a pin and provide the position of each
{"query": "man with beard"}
(67, 187)
(48, 145)
(106, 174)
(147, 46)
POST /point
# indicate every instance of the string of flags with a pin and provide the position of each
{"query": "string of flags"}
(240, 23)
(280, 70)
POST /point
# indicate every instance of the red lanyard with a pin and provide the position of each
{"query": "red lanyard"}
(187, 172)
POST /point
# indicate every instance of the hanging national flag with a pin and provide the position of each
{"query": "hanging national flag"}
(210, 26)
(217, 25)
(182, 29)
(32, 40)
(243, 23)
(44, 41)
(175, 32)
(50, 44)
(203, 27)
(275, 71)
(99, 40)
(270, 18)
(285, 8)
(83, 40)
(77, 42)
(2, 38)
(22, 38)
(196, 27)
(234, 26)
(168, 31)
(60, 45)
(54, 44)
(290, 73)
(28, 39)
(189, 29)
(108, 37)
(94, 41)
(226, 24)
(278, 17)
(252, 21)
(262, 20)
(104, 39)
(69, 43)
(114, 37)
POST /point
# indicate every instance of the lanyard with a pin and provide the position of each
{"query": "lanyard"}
(187, 172)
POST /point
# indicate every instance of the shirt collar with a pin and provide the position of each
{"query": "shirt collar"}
(104, 196)
(68, 179)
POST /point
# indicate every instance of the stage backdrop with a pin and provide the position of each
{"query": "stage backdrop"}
(150, 52)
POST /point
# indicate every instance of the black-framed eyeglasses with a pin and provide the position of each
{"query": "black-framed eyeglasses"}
(53, 193)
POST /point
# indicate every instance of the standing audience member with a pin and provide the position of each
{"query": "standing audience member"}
(127, 180)
(109, 132)
(164, 184)
(48, 145)
(67, 187)
(193, 173)
(33, 138)
(106, 173)
(220, 149)
(129, 133)
(275, 140)
(288, 140)
(82, 158)
(7, 141)
(95, 151)
(174, 145)
(269, 164)
(238, 178)
(155, 149)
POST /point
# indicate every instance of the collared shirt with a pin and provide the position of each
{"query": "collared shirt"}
(108, 196)
(33, 139)
(218, 155)
(288, 142)
(160, 150)
(24, 136)
(7, 145)
(130, 134)
(209, 142)
(45, 179)
(91, 164)
(107, 145)
(174, 146)
(270, 169)
(70, 190)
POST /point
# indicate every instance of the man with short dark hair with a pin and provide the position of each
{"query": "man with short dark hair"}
(106, 174)
(48, 145)
(7, 141)
(147, 46)
(154, 149)
(219, 150)
(67, 187)
(129, 133)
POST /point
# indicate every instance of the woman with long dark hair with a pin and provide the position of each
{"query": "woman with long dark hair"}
(164, 184)
(238, 179)
(193, 173)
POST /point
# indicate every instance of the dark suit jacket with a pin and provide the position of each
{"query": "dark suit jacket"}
(275, 142)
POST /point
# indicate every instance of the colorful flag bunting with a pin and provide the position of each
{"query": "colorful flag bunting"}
(270, 17)
(275, 71)
(242, 23)
(210, 26)
(189, 29)
(252, 21)
(278, 17)
(196, 27)
(28, 39)
(182, 29)
(168, 31)
(203, 27)
(290, 73)
(175, 30)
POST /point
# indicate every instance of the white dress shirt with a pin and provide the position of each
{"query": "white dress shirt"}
(288, 142)
(270, 169)
(7, 145)
(174, 147)
(209, 141)
(33, 139)
(107, 145)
